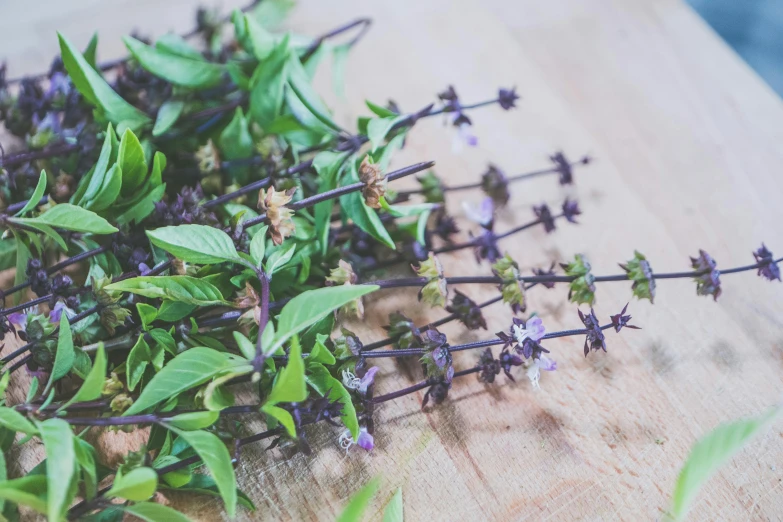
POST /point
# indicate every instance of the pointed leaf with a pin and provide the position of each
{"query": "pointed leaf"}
(187, 370)
(195, 243)
(57, 437)
(175, 68)
(218, 460)
(136, 485)
(37, 195)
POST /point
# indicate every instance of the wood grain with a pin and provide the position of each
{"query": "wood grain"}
(687, 141)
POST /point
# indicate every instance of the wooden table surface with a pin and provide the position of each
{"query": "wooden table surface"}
(687, 141)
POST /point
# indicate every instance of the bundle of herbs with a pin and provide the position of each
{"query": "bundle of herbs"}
(220, 229)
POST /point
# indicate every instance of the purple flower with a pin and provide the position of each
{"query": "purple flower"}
(547, 273)
(486, 247)
(464, 137)
(57, 311)
(620, 321)
(595, 336)
(768, 269)
(352, 382)
(364, 440)
(707, 275)
(525, 337)
(563, 167)
(494, 183)
(507, 98)
(490, 367)
(467, 311)
(483, 214)
(534, 329)
(571, 210)
(544, 215)
(507, 360)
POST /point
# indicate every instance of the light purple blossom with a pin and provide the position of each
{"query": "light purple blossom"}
(364, 440)
(483, 213)
(534, 370)
(464, 137)
(19, 320)
(534, 329)
(57, 311)
(353, 382)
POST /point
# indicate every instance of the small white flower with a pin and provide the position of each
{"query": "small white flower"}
(534, 370)
(352, 382)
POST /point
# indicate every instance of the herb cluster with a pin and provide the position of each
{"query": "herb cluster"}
(218, 227)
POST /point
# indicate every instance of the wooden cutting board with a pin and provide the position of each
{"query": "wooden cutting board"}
(687, 141)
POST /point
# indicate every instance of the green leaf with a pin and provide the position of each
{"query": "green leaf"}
(37, 195)
(175, 68)
(218, 460)
(339, 57)
(357, 505)
(235, 140)
(15, 421)
(96, 91)
(363, 216)
(283, 417)
(168, 114)
(320, 353)
(258, 246)
(246, 347)
(327, 165)
(147, 314)
(270, 13)
(3, 476)
(8, 254)
(393, 511)
(151, 512)
(132, 163)
(109, 190)
(136, 485)
(174, 44)
(278, 259)
(267, 86)
(142, 208)
(378, 128)
(710, 453)
(63, 358)
(137, 361)
(383, 112)
(187, 370)
(195, 420)
(91, 183)
(261, 40)
(85, 456)
(91, 50)
(290, 385)
(71, 217)
(93, 384)
(322, 381)
(176, 478)
(184, 289)
(199, 244)
(201, 484)
(299, 82)
(57, 437)
(28, 491)
(313, 305)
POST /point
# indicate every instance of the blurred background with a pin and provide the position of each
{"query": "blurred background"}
(754, 28)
